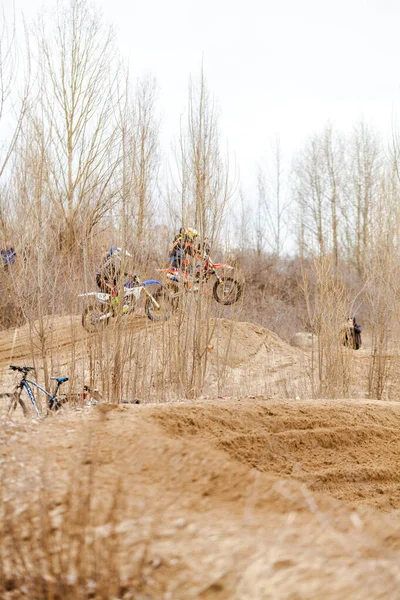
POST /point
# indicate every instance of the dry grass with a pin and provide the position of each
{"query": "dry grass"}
(60, 544)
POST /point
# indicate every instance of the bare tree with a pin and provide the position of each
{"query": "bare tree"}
(365, 176)
(140, 157)
(14, 95)
(204, 184)
(203, 191)
(77, 94)
(319, 190)
(259, 227)
(274, 202)
(311, 200)
(243, 217)
(381, 271)
(145, 159)
(328, 304)
(334, 162)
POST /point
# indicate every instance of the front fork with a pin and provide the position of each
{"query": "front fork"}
(150, 295)
(16, 399)
(217, 277)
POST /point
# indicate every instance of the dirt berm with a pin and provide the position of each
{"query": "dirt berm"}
(242, 358)
(240, 499)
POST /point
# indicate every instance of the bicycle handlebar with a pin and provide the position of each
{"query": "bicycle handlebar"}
(22, 369)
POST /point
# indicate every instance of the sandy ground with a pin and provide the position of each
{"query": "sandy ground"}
(247, 497)
(243, 358)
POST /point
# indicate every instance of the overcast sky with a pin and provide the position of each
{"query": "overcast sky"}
(276, 67)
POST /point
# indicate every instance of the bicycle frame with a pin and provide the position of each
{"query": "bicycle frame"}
(16, 396)
(25, 384)
(52, 399)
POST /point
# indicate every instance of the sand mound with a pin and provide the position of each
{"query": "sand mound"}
(304, 339)
(243, 358)
(349, 449)
(200, 487)
(247, 359)
(238, 342)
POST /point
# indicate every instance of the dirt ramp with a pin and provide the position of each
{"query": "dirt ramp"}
(245, 359)
(242, 358)
(192, 520)
(32, 339)
(350, 449)
(65, 344)
(237, 342)
(53, 335)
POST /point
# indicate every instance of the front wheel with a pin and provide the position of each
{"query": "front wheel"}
(94, 317)
(165, 307)
(227, 290)
(15, 400)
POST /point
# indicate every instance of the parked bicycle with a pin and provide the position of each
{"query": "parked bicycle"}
(158, 306)
(54, 401)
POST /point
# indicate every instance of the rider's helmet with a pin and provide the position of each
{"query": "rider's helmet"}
(117, 252)
(192, 233)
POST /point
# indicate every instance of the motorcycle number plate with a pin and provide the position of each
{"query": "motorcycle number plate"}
(133, 292)
(103, 297)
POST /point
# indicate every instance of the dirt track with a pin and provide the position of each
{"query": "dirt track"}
(349, 449)
(60, 333)
(243, 498)
(217, 489)
(243, 357)
(63, 339)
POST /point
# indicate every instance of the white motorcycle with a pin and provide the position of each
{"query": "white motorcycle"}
(158, 306)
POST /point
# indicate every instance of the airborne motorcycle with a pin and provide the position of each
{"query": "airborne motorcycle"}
(158, 306)
(226, 290)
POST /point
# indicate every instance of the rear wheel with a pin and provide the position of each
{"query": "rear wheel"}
(227, 290)
(94, 318)
(165, 307)
(54, 404)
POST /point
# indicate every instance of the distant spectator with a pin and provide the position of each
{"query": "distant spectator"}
(8, 255)
(351, 334)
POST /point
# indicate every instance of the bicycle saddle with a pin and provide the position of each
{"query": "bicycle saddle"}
(59, 379)
(22, 369)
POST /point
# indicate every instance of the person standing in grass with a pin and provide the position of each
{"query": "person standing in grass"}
(351, 334)
(8, 255)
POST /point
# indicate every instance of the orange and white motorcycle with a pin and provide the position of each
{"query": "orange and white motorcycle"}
(226, 290)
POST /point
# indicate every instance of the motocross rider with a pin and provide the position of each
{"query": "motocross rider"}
(186, 246)
(109, 271)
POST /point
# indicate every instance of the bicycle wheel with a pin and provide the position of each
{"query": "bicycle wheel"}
(94, 318)
(55, 403)
(227, 290)
(165, 307)
(14, 401)
(30, 407)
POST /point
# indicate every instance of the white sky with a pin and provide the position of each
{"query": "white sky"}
(277, 67)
